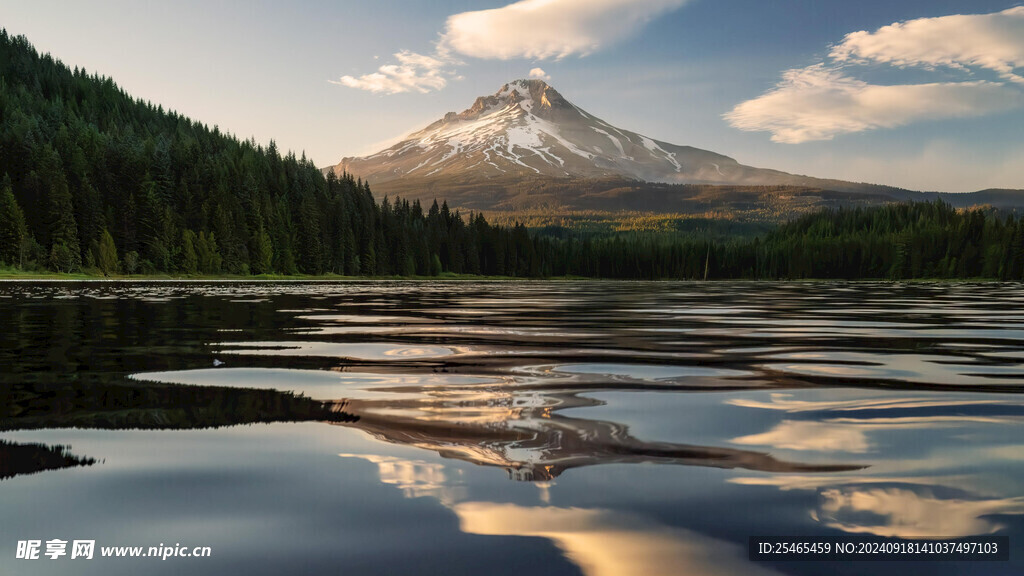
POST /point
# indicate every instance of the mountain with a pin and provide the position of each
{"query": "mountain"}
(528, 128)
(506, 148)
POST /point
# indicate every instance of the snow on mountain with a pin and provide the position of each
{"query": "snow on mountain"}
(527, 146)
(528, 128)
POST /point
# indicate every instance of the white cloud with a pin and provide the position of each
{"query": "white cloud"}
(819, 102)
(536, 29)
(413, 73)
(539, 74)
(822, 101)
(542, 29)
(962, 41)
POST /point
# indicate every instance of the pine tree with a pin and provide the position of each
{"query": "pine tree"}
(131, 262)
(65, 254)
(13, 230)
(189, 258)
(262, 253)
(62, 259)
(107, 260)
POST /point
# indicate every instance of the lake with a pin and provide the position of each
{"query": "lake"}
(459, 428)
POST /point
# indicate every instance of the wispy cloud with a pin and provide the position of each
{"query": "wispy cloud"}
(529, 29)
(819, 103)
(989, 41)
(413, 73)
(539, 74)
(822, 101)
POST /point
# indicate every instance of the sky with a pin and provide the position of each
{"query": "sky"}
(922, 94)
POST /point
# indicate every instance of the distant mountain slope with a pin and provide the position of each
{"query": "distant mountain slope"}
(528, 130)
(526, 146)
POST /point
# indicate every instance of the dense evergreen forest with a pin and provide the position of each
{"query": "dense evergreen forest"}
(93, 179)
(896, 241)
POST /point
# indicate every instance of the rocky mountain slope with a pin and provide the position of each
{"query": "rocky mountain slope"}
(528, 130)
(527, 147)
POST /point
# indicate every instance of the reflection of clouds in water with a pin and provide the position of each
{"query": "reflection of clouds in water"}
(646, 371)
(415, 352)
(365, 319)
(919, 507)
(1010, 452)
(923, 421)
(804, 482)
(601, 542)
(787, 403)
(484, 330)
(905, 513)
(608, 542)
(903, 499)
(851, 434)
(816, 436)
(356, 350)
(920, 368)
(415, 478)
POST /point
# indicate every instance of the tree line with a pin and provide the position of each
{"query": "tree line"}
(891, 242)
(93, 179)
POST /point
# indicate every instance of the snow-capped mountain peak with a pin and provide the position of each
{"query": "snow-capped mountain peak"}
(527, 128)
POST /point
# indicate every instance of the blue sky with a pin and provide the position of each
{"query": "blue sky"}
(916, 97)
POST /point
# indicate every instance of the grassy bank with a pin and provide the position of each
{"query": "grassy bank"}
(17, 274)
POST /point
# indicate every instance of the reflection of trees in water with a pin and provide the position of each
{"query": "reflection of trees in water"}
(18, 459)
(138, 406)
(155, 406)
(536, 443)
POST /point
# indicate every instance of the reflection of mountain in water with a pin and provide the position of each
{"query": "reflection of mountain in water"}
(519, 430)
(532, 441)
(18, 459)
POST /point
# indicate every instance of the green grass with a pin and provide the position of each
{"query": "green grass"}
(18, 274)
(7, 273)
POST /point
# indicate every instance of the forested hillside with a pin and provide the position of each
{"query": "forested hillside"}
(896, 241)
(914, 240)
(95, 180)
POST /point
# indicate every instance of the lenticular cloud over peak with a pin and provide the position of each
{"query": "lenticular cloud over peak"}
(543, 29)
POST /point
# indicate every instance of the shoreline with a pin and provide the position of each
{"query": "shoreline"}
(83, 277)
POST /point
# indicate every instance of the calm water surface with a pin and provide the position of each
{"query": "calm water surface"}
(606, 429)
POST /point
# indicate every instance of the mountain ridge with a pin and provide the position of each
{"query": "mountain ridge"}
(528, 132)
(528, 127)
